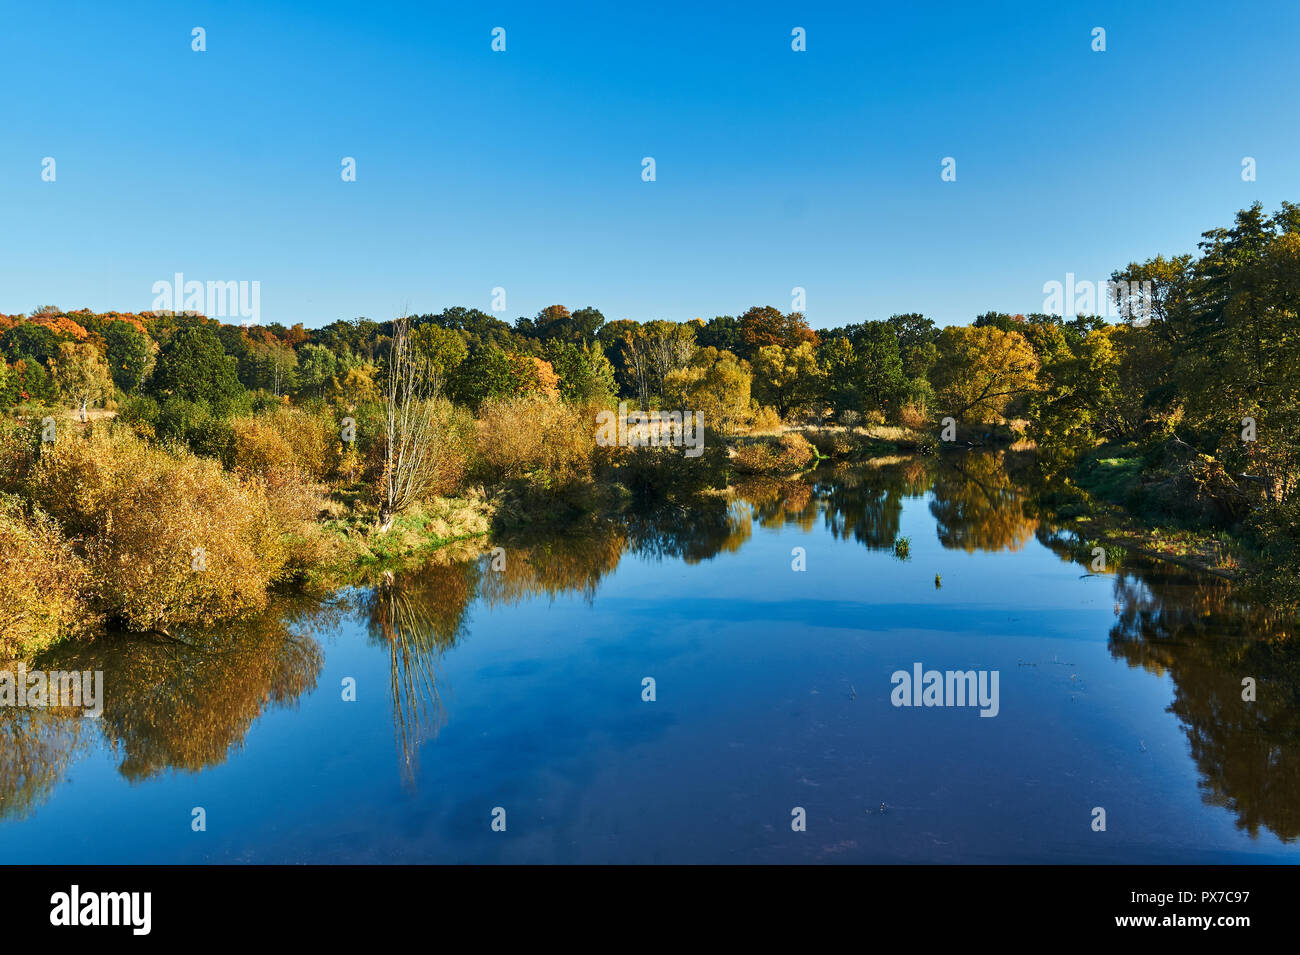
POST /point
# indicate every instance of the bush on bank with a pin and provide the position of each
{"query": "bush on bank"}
(42, 583)
(169, 537)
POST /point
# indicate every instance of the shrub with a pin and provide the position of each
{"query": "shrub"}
(795, 452)
(170, 538)
(525, 436)
(791, 452)
(913, 416)
(18, 443)
(667, 473)
(42, 583)
(765, 419)
(454, 446)
(141, 413)
(756, 458)
(196, 425)
(543, 446)
(286, 439)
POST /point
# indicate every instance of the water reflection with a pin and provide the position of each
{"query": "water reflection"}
(182, 703)
(528, 567)
(1188, 626)
(36, 748)
(188, 704)
(416, 616)
(978, 506)
(692, 533)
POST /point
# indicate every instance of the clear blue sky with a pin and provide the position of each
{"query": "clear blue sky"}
(522, 169)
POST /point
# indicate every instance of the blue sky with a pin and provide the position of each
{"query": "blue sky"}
(522, 169)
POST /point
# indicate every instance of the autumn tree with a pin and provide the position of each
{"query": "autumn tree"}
(788, 379)
(716, 385)
(1075, 406)
(765, 325)
(81, 375)
(653, 351)
(981, 370)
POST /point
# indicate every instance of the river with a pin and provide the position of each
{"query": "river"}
(712, 684)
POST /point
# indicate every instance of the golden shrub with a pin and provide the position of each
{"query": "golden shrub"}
(765, 419)
(454, 446)
(913, 416)
(42, 583)
(286, 437)
(791, 452)
(18, 442)
(796, 453)
(756, 458)
(535, 437)
(170, 538)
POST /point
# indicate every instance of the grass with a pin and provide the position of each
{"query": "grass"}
(360, 549)
(1110, 479)
(1097, 504)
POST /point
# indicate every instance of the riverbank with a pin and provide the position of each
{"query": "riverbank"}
(1094, 501)
(111, 529)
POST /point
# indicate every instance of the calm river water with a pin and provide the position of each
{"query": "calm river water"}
(516, 695)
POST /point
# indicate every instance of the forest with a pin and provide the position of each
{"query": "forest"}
(163, 469)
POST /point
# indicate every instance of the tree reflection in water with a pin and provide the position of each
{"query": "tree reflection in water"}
(187, 704)
(182, 703)
(37, 745)
(1171, 621)
(416, 616)
(978, 507)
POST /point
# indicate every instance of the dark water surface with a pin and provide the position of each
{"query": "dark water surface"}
(522, 689)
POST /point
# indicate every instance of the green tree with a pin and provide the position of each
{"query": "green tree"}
(586, 375)
(917, 342)
(129, 355)
(30, 340)
(492, 372)
(439, 352)
(864, 368)
(194, 366)
(317, 368)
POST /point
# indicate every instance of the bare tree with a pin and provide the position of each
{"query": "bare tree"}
(410, 430)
